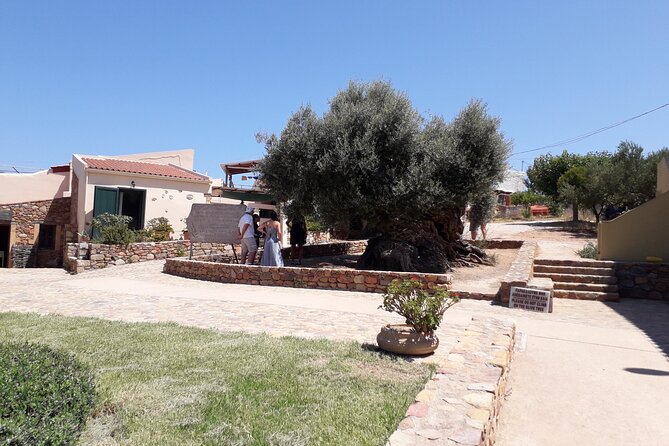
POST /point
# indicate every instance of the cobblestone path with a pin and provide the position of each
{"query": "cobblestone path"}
(602, 367)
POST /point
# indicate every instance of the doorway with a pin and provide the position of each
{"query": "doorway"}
(131, 203)
(4, 245)
(121, 201)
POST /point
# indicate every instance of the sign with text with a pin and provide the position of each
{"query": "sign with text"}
(214, 223)
(531, 299)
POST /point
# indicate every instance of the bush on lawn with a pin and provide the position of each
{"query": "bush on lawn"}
(45, 395)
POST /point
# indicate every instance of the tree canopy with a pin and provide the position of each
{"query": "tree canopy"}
(625, 179)
(371, 155)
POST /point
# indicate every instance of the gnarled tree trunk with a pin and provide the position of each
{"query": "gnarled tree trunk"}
(432, 245)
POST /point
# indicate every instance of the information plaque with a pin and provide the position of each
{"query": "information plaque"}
(214, 223)
(531, 299)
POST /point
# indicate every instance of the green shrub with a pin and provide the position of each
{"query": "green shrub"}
(315, 226)
(160, 229)
(589, 251)
(421, 308)
(527, 198)
(45, 395)
(143, 235)
(112, 229)
(527, 213)
(555, 207)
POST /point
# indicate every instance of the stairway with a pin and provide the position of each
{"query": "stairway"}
(580, 279)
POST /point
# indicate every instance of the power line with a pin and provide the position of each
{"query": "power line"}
(589, 134)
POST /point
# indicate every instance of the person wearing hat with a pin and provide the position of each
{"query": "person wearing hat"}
(247, 237)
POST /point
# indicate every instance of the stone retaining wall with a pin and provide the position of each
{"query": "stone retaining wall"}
(206, 268)
(473, 295)
(520, 272)
(643, 280)
(86, 256)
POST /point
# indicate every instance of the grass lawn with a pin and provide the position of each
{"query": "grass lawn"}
(164, 384)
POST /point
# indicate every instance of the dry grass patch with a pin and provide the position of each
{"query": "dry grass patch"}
(163, 384)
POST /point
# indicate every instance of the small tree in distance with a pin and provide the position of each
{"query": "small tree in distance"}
(372, 157)
(626, 178)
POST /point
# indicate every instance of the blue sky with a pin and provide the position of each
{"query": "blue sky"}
(128, 76)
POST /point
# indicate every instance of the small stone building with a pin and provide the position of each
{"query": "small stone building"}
(41, 212)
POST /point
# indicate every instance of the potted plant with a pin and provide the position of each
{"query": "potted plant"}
(422, 310)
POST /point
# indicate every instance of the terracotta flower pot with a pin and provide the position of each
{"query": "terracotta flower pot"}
(402, 339)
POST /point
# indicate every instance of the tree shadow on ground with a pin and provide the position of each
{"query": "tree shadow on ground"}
(344, 261)
(650, 316)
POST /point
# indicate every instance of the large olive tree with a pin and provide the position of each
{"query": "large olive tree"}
(372, 157)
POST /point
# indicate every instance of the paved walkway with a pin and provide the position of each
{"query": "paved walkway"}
(591, 374)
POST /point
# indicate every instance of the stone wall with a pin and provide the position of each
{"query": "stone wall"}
(24, 256)
(314, 237)
(205, 268)
(521, 270)
(512, 211)
(26, 218)
(87, 256)
(643, 280)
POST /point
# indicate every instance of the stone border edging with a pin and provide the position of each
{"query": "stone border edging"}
(521, 270)
(203, 268)
(461, 404)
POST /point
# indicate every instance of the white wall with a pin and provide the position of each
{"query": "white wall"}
(168, 198)
(24, 187)
(79, 169)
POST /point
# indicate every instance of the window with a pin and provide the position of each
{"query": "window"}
(47, 237)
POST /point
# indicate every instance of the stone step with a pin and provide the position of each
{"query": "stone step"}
(577, 263)
(599, 287)
(587, 271)
(577, 278)
(586, 295)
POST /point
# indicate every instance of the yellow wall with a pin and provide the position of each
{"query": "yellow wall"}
(637, 234)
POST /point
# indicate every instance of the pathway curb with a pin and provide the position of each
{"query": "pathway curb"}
(461, 404)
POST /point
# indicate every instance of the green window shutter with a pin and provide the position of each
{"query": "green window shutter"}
(106, 201)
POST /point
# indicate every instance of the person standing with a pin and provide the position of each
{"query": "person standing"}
(256, 231)
(247, 237)
(271, 255)
(482, 211)
(298, 237)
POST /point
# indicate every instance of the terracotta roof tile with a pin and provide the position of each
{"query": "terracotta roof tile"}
(160, 170)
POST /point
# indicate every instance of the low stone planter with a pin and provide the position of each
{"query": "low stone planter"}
(402, 339)
(207, 268)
